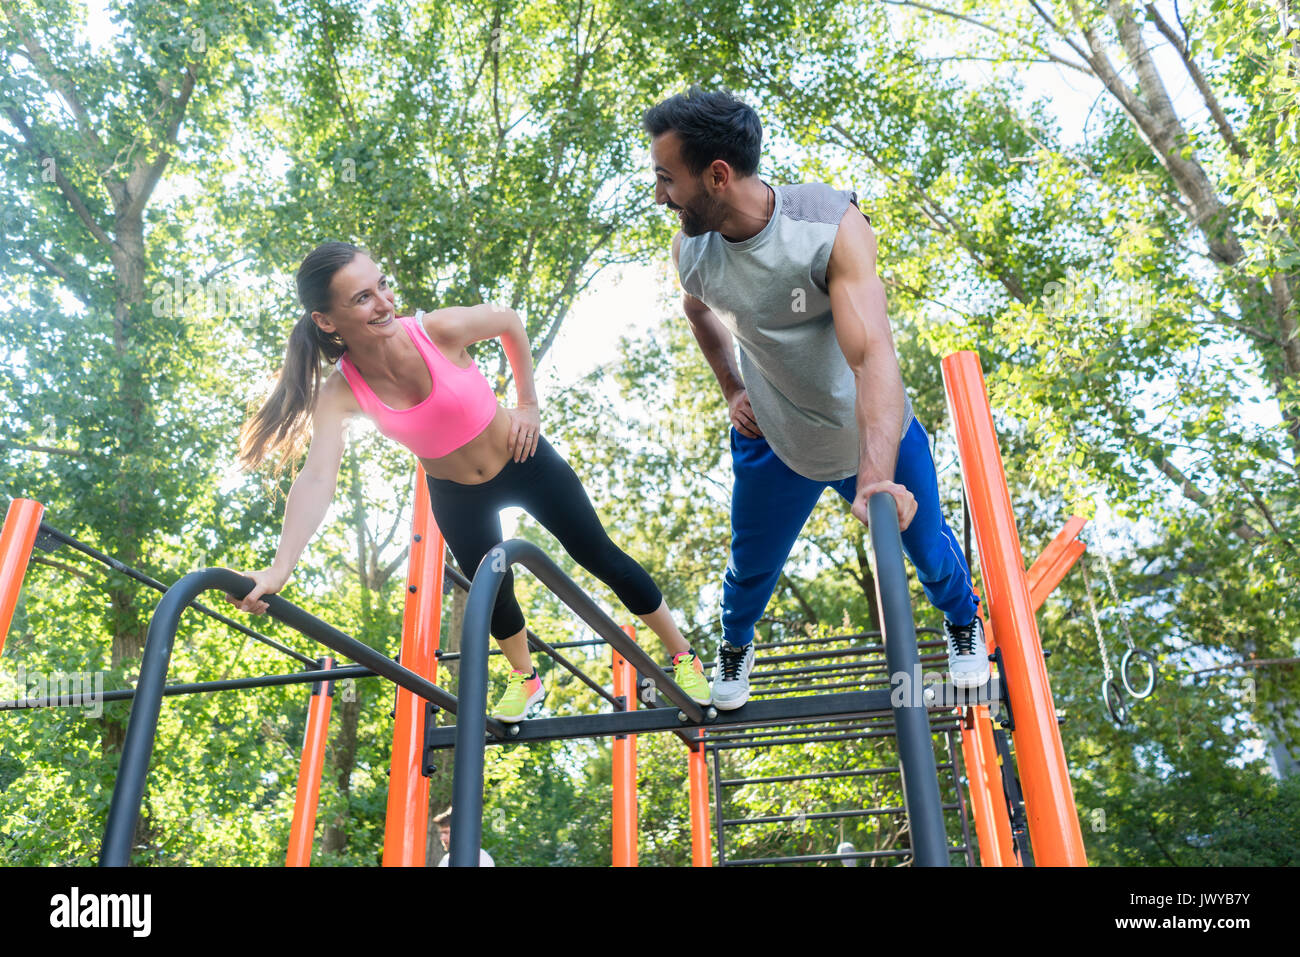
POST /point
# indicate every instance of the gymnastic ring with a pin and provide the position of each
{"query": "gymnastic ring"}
(1127, 661)
(1114, 700)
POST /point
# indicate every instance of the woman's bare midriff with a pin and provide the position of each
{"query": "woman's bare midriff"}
(479, 459)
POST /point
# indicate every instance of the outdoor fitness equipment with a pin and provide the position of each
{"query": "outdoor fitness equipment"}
(1133, 653)
(1012, 594)
(1110, 688)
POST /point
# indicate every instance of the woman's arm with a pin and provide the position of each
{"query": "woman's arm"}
(309, 497)
(456, 327)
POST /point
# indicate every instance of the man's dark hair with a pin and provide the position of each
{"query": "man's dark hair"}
(711, 126)
(443, 819)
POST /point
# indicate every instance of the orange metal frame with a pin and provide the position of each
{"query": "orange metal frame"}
(992, 824)
(984, 780)
(625, 803)
(701, 838)
(406, 827)
(303, 827)
(1055, 562)
(22, 522)
(1049, 799)
(625, 796)
(1014, 597)
(984, 785)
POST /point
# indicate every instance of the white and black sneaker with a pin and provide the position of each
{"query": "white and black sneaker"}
(731, 676)
(968, 655)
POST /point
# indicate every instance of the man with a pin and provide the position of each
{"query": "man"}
(790, 273)
(443, 821)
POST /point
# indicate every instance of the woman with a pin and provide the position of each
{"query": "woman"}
(414, 378)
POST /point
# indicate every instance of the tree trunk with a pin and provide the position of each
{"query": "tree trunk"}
(129, 624)
(451, 637)
(345, 757)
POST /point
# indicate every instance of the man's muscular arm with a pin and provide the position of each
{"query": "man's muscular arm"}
(862, 328)
(715, 342)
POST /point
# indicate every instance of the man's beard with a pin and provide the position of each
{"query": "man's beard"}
(701, 217)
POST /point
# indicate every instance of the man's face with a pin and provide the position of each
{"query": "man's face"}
(444, 834)
(698, 211)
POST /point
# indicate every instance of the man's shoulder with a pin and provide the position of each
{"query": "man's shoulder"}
(817, 203)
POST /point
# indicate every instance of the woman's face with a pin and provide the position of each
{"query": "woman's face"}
(362, 305)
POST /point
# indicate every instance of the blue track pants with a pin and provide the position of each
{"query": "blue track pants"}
(770, 504)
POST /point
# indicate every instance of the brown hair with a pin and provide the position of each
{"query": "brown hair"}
(278, 430)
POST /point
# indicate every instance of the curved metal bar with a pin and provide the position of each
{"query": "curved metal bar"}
(1126, 663)
(153, 583)
(915, 744)
(142, 727)
(536, 644)
(467, 779)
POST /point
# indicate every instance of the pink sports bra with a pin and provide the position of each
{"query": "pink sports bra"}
(458, 408)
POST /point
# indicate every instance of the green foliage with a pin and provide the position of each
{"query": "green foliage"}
(1129, 296)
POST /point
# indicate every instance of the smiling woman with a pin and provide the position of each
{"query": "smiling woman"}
(414, 378)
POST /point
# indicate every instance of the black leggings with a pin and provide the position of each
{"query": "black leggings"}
(547, 488)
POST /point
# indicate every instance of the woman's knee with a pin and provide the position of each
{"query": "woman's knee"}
(635, 588)
(599, 555)
(507, 617)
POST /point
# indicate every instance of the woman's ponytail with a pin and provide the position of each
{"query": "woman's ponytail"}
(280, 429)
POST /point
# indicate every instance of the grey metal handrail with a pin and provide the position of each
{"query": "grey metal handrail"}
(467, 780)
(142, 727)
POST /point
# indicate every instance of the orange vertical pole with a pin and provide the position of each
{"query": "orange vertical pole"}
(22, 522)
(309, 771)
(1049, 799)
(406, 826)
(625, 811)
(1006, 845)
(981, 800)
(983, 773)
(984, 779)
(988, 799)
(701, 839)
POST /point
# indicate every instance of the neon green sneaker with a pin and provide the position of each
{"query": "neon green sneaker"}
(689, 675)
(522, 692)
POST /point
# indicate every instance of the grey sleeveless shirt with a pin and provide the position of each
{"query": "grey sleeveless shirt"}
(770, 292)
